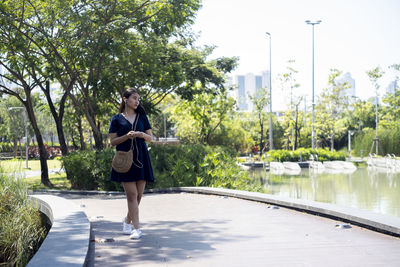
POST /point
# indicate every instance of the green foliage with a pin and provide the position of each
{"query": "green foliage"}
(173, 166)
(260, 99)
(305, 154)
(21, 227)
(197, 165)
(389, 140)
(391, 110)
(199, 120)
(361, 114)
(330, 110)
(90, 170)
(6, 147)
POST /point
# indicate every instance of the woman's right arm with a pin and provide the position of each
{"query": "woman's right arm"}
(116, 140)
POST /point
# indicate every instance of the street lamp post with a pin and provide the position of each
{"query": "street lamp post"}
(271, 143)
(26, 134)
(312, 23)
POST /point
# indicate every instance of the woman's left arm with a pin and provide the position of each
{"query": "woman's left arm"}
(147, 136)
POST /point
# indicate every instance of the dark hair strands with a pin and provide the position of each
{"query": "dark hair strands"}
(128, 92)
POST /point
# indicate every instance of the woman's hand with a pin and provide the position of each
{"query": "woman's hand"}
(133, 134)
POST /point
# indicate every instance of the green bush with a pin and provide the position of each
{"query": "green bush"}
(6, 147)
(221, 170)
(22, 229)
(196, 165)
(173, 166)
(90, 170)
(288, 155)
(177, 165)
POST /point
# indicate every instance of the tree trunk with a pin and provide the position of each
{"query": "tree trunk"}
(74, 143)
(261, 148)
(42, 150)
(57, 117)
(81, 138)
(15, 147)
(91, 119)
(296, 126)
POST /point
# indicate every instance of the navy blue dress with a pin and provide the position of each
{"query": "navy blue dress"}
(120, 125)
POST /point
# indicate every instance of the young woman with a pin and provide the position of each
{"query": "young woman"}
(122, 135)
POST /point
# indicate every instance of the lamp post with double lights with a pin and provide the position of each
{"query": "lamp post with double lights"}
(271, 143)
(312, 23)
(26, 134)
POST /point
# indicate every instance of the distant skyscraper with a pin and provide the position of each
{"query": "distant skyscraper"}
(241, 92)
(391, 88)
(351, 83)
(259, 83)
(247, 85)
(265, 78)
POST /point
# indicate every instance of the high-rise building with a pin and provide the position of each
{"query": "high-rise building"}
(351, 83)
(247, 85)
(391, 88)
(241, 98)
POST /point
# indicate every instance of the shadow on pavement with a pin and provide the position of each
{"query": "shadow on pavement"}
(163, 241)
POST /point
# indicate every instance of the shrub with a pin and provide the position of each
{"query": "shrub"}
(288, 155)
(90, 170)
(173, 166)
(6, 147)
(21, 226)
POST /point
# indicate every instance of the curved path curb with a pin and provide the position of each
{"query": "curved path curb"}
(374, 221)
(67, 242)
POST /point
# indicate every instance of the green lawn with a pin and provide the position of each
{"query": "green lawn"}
(59, 180)
(17, 165)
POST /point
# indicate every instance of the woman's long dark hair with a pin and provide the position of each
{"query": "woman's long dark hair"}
(127, 94)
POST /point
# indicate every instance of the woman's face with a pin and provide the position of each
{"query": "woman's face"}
(133, 101)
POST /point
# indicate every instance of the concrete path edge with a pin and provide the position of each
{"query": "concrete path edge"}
(374, 221)
(67, 242)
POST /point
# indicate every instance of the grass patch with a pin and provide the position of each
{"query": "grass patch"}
(17, 165)
(59, 180)
(21, 226)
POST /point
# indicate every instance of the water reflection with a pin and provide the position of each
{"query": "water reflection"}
(373, 190)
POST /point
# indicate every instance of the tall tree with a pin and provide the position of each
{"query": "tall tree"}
(391, 113)
(197, 120)
(289, 84)
(331, 108)
(18, 62)
(260, 100)
(374, 76)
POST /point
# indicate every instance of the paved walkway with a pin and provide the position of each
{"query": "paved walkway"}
(203, 230)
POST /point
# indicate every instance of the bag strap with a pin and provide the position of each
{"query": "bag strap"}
(134, 127)
(137, 154)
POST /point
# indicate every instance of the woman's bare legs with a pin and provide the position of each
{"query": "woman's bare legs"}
(140, 185)
(133, 192)
(133, 207)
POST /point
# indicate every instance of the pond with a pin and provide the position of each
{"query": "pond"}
(363, 189)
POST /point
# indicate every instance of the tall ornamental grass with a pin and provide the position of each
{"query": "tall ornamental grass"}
(389, 141)
(21, 225)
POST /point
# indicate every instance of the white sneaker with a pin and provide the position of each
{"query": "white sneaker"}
(136, 234)
(127, 228)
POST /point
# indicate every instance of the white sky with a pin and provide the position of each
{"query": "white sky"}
(354, 36)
